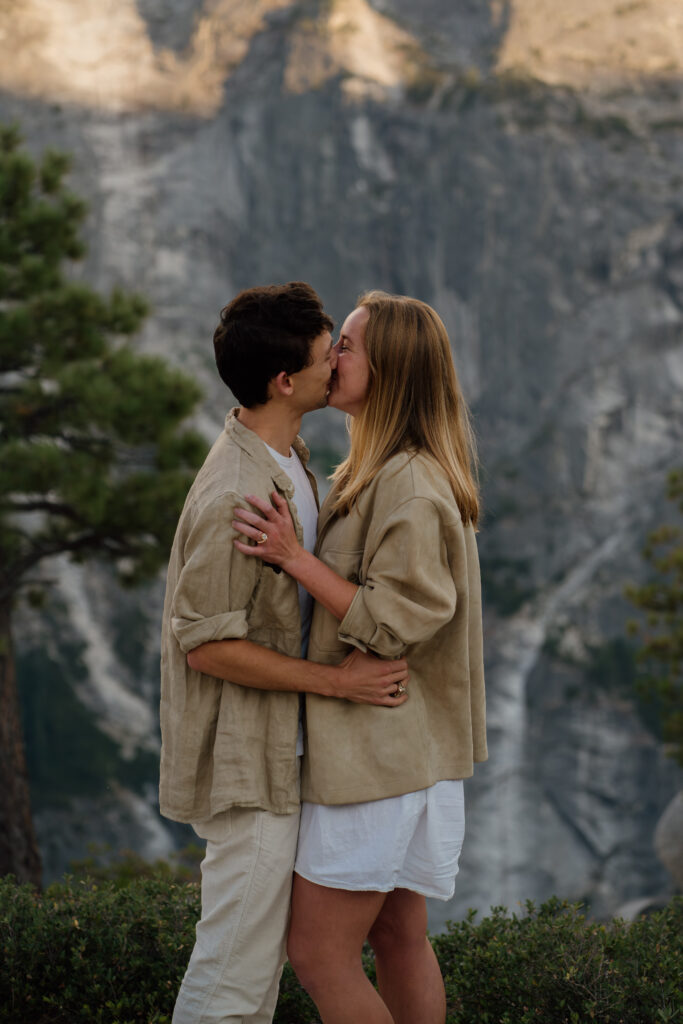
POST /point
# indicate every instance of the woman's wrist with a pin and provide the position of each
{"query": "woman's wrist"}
(295, 564)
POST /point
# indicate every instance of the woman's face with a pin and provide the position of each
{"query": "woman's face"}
(351, 378)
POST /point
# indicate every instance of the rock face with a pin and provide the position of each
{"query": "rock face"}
(459, 154)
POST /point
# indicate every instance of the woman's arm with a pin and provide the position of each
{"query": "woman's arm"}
(409, 592)
(282, 548)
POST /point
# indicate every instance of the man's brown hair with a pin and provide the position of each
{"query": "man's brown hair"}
(264, 331)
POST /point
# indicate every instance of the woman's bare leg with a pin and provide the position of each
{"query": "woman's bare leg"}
(326, 936)
(408, 972)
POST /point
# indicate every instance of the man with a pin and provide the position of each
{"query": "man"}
(232, 667)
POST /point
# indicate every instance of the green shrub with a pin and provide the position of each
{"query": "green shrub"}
(102, 864)
(83, 952)
(554, 966)
(505, 583)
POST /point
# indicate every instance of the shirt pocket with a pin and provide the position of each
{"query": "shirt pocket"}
(275, 603)
(325, 626)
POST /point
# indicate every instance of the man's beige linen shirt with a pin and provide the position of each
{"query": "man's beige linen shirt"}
(226, 745)
(420, 596)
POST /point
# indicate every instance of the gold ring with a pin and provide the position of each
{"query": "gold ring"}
(262, 538)
(400, 689)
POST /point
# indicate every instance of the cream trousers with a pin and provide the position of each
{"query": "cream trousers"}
(234, 971)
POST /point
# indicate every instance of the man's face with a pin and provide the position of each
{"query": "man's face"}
(312, 384)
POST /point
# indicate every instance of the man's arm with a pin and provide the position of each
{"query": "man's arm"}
(361, 678)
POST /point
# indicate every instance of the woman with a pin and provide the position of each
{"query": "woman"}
(397, 573)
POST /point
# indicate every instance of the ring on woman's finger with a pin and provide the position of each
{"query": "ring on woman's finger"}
(262, 538)
(400, 689)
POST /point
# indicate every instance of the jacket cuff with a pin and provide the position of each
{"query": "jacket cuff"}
(191, 633)
(359, 628)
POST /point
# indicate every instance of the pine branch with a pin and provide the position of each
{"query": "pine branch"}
(42, 505)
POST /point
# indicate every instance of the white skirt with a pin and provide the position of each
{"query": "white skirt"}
(404, 842)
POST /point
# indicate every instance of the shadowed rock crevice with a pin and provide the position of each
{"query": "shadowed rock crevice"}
(170, 23)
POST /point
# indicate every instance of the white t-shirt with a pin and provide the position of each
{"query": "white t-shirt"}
(307, 510)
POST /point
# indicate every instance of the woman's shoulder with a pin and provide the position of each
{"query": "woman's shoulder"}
(409, 475)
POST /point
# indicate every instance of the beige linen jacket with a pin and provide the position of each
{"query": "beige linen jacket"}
(227, 745)
(419, 596)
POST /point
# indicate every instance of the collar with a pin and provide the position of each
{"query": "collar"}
(255, 448)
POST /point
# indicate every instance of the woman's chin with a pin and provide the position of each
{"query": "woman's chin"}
(337, 401)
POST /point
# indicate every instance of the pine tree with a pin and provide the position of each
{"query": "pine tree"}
(94, 461)
(662, 633)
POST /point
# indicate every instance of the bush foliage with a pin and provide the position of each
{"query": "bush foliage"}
(102, 954)
(661, 599)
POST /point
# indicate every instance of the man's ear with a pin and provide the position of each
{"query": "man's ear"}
(282, 384)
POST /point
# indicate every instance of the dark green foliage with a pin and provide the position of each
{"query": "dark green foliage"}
(67, 754)
(102, 866)
(84, 952)
(611, 667)
(505, 583)
(552, 965)
(661, 599)
(93, 460)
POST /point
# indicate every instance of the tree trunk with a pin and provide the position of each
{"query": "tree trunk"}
(18, 848)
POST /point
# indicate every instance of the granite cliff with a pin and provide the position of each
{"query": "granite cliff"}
(520, 167)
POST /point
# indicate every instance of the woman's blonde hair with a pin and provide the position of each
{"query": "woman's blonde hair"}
(414, 403)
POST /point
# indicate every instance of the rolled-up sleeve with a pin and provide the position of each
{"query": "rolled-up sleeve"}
(408, 593)
(216, 582)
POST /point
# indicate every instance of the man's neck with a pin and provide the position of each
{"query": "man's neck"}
(275, 426)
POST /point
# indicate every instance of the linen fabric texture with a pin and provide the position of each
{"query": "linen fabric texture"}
(417, 567)
(234, 971)
(225, 745)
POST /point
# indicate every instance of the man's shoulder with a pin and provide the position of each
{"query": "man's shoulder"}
(220, 472)
(230, 471)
